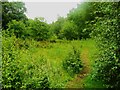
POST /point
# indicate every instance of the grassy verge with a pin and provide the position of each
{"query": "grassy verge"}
(92, 54)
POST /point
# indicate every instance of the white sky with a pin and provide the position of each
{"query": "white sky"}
(49, 9)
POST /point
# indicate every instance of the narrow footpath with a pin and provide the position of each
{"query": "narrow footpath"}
(77, 82)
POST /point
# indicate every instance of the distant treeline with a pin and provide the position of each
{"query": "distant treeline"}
(75, 26)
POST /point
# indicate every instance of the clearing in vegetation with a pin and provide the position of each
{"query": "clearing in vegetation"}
(55, 54)
(62, 54)
(41, 64)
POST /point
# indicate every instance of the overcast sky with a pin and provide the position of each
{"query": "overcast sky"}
(49, 10)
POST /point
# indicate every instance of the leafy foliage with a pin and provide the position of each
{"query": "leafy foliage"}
(21, 35)
(69, 31)
(79, 16)
(72, 63)
(19, 72)
(31, 29)
(24, 67)
(76, 24)
(12, 11)
(106, 31)
(40, 30)
(17, 28)
(56, 27)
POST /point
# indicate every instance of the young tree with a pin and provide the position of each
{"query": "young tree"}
(17, 28)
(56, 27)
(79, 16)
(12, 11)
(69, 31)
(40, 29)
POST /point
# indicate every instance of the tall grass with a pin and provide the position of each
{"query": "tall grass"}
(32, 64)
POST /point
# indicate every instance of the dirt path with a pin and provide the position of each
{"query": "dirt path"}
(78, 81)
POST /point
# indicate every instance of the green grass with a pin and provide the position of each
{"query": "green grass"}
(56, 54)
(93, 51)
(29, 61)
(58, 51)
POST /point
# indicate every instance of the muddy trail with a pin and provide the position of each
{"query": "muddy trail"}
(78, 81)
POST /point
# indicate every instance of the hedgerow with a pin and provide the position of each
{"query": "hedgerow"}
(107, 33)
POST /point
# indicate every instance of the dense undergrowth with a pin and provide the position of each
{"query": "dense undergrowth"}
(24, 64)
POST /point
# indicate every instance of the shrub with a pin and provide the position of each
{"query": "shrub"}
(69, 31)
(16, 27)
(35, 29)
(19, 69)
(72, 63)
(107, 34)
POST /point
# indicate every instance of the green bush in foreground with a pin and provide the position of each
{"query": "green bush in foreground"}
(72, 63)
(23, 68)
(19, 69)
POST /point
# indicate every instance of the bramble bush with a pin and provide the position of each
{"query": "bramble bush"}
(19, 71)
(72, 63)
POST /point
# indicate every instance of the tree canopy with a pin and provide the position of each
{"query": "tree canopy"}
(12, 11)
